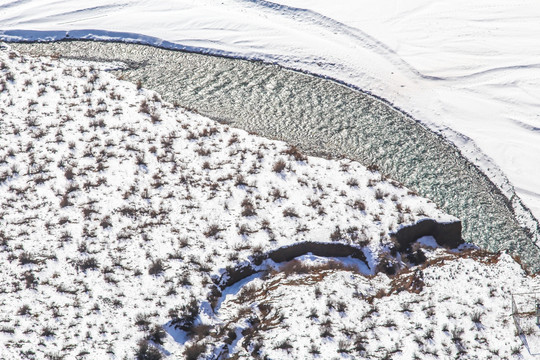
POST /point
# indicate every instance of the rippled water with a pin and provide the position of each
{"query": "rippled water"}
(321, 117)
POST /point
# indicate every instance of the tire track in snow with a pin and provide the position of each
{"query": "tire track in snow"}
(316, 19)
(14, 3)
(78, 15)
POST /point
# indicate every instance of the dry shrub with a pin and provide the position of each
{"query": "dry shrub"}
(387, 264)
(240, 181)
(65, 201)
(295, 153)
(248, 208)
(379, 194)
(155, 118)
(358, 204)
(290, 212)
(212, 231)
(299, 267)
(89, 263)
(233, 139)
(295, 267)
(336, 235)
(28, 258)
(245, 230)
(147, 352)
(352, 182)
(144, 108)
(284, 345)
(279, 166)
(200, 331)
(247, 294)
(156, 267)
(278, 195)
(206, 132)
(411, 281)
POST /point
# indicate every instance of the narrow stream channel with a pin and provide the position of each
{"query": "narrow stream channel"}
(322, 117)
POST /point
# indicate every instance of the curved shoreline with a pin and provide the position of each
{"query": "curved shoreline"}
(521, 212)
(491, 187)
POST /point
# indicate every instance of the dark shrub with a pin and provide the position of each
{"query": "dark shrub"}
(192, 352)
(326, 332)
(155, 118)
(279, 166)
(359, 343)
(47, 331)
(24, 310)
(457, 333)
(144, 108)
(212, 231)
(358, 204)
(156, 267)
(344, 346)
(147, 352)
(476, 317)
(106, 222)
(30, 280)
(352, 182)
(290, 212)
(27, 258)
(143, 320)
(157, 334)
(417, 257)
(184, 318)
(336, 234)
(201, 330)
(247, 208)
(240, 181)
(294, 152)
(87, 263)
(231, 336)
(65, 202)
(69, 174)
(314, 350)
(387, 265)
(284, 345)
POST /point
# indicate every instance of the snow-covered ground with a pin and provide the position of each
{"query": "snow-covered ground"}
(116, 207)
(419, 315)
(467, 69)
(109, 223)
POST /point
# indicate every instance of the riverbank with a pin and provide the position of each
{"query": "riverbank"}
(323, 118)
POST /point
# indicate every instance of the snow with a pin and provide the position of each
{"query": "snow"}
(344, 315)
(466, 69)
(462, 68)
(117, 208)
(428, 241)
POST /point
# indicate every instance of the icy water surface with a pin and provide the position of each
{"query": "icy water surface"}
(321, 117)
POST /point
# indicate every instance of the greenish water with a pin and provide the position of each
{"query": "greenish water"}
(321, 117)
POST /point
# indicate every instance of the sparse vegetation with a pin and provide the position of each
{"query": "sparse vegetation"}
(116, 207)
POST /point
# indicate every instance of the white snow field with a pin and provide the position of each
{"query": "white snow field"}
(116, 209)
(469, 70)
